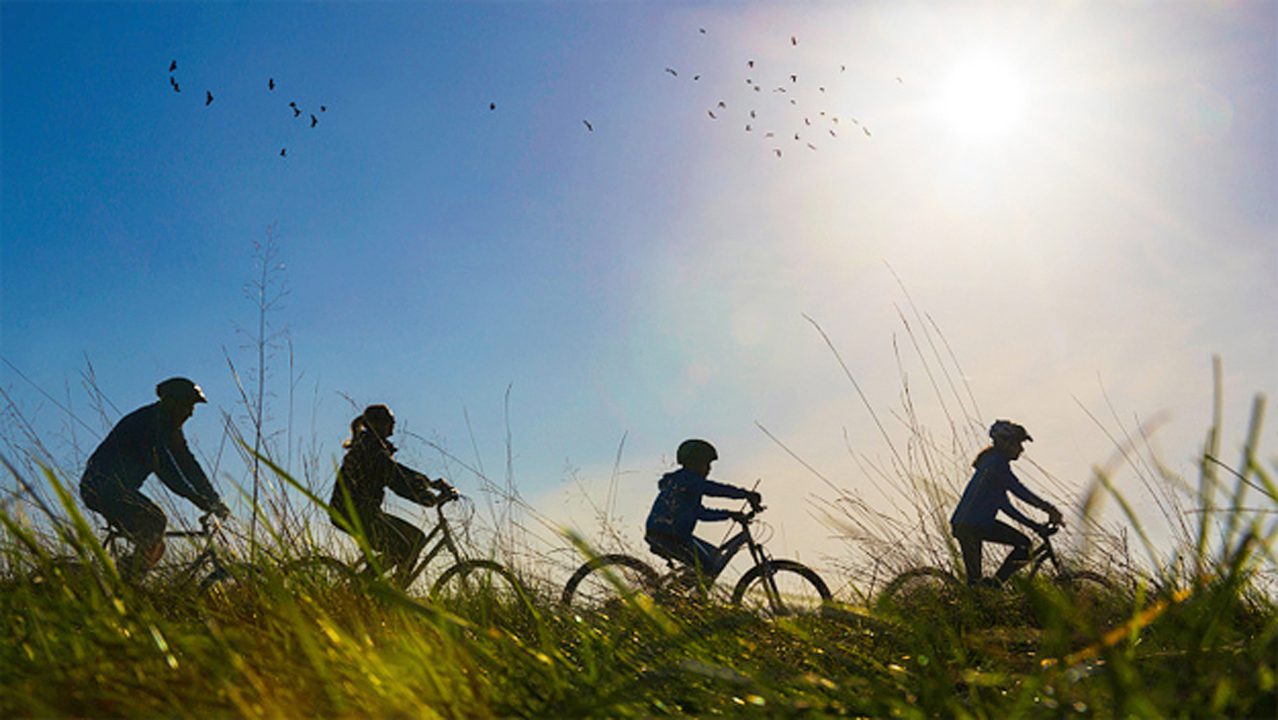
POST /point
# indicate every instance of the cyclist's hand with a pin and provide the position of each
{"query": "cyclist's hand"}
(220, 510)
(1046, 530)
(1054, 516)
(756, 500)
(447, 493)
(738, 516)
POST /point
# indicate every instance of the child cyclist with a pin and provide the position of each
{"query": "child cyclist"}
(974, 521)
(678, 507)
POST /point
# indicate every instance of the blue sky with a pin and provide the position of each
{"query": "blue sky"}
(1105, 218)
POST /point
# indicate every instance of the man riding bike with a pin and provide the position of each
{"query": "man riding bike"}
(974, 521)
(369, 468)
(148, 440)
(678, 507)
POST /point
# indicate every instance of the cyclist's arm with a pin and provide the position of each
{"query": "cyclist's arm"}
(411, 485)
(1019, 516)
(1019, 490)
(178, 469)
(718, 489)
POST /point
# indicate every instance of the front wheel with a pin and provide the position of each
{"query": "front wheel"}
(607, 580)
(479, 579)
(799, 590)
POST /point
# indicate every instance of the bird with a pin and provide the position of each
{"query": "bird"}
(807, 121)
(672, 72)
(314, 122)
(176, 88)
(777, 151)
(757, 88)
(833, 134)
(794, 40)
(796, 137)
(702, 30)
(752, 114)
(749, 63)
(712, 115)
(696, 77)
(867, 131)
(749, 81)
(898, 79)
(173, 66)
(323, 108)
(292, 104)
(747, 127)
(780, 89)
(208, 98)
(723, 105)
(771, 134)
(843, 68)
(794, 78)
(491, 106)
(283, 152)
(270, 83)
(822, 88)
(792, 102)
(811, 146)
(296, 112)
(589, 127)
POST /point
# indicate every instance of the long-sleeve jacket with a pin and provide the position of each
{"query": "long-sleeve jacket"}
(987, 493)
(678, 505)
(369, 468)
(147, 441)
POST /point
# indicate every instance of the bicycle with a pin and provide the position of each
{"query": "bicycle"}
(209, 565)
(933, 584)
(465, 575)
(778, 587)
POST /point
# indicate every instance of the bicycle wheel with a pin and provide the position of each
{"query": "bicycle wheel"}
(800, 591)
(1092, 595)
(319, 573)
(606, 580)
(921, 589)
(479, 579)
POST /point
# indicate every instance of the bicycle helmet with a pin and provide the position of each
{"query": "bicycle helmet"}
(695, 451)
(1008, 432)
(180, 388)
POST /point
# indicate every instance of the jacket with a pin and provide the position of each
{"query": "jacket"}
(987, 493)
(369, 468)
(147, 441)
(678, 505)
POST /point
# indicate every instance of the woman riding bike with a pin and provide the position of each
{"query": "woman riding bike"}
(367, 470)
(974, 521)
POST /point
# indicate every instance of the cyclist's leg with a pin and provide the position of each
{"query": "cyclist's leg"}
(969, 540)
(1005, 534)
(400, 540)
(725, 552)
(140, 520)
(709, 561)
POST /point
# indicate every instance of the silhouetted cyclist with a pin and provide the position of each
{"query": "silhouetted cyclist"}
(974, 520)
(369, 468)
(678, 507)
(148, 440)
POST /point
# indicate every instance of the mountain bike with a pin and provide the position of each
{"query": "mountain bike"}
(771, 586)
(464, 576)
(932, 585)
(210, 568)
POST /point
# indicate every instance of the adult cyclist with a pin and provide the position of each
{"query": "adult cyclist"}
(148, 440)
(975, 520)
(678, 507)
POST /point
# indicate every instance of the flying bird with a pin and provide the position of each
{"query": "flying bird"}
(270, 83)
(176, 88)
(822, 88)
(794, 40)
(752, 114)
(771, 134)
(811, 146)
(696, 77)
(702, 30)
(314, 122)
(796, 137)
(747, 128)
(777, 151)
(208, 98)
(749, 81)
(867, 131)
(807, 121)
(672, 72)
(712, 115)
(723, 105)
(173, 66)
(749, 63)
(898, 79)
(833, 134)
(296, 112)
(283, 152)
(589, 127)
(323, 108)
(491, 106)
(843, 68)
(794, 78)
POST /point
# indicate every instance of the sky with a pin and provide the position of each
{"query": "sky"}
(559, 238)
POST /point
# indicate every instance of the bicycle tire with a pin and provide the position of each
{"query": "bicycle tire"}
(919, 587)
(319, 572)
(801, 590)
(1092, 594)
(591, 587)
(470, 577)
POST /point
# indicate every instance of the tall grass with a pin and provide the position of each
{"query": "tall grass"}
(1202, 641)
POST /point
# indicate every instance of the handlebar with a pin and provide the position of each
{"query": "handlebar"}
(1050, 529)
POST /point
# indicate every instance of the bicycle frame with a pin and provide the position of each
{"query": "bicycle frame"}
(207, 555)
(445, 543)
(732, 546)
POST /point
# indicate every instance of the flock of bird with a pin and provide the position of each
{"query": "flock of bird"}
(779, 114)
(270, 87)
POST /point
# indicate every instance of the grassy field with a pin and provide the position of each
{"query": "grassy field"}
(276, 644)
(1197, 636)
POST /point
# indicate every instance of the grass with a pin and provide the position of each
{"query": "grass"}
(1193, 633)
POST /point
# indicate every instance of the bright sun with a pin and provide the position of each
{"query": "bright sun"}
(982, 99)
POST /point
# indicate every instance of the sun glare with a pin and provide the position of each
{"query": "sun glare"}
(983, 99)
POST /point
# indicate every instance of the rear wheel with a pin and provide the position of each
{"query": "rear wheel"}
(606, 581)
(799, 590)
(921, 589)
(479, 579)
